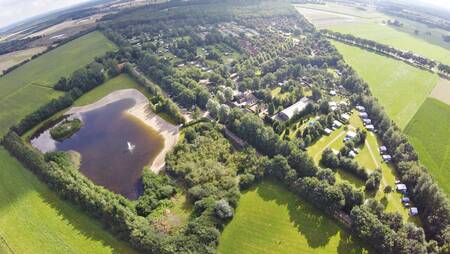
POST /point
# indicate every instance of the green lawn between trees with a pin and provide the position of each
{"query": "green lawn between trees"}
(400, 88)
(270, 219)
(29, 87)
(369, 158)
(429, 133)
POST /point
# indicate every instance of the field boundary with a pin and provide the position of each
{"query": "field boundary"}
(4, 242)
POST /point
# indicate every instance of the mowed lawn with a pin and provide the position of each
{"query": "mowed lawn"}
(29, 86)
(400, 88)
(123, 81)
(270, 219)
(33, 219)
(429, 132)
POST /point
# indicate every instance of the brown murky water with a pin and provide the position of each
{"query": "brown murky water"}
(103, 145)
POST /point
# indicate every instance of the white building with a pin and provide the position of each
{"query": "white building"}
(295, 108)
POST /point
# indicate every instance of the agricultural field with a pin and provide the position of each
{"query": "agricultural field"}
(390, 36)
(33, 219)
(13, 58)
(29, 86)
(429, 133)
(369, 24)
(389, 78)
(331, 14)
(270, 219)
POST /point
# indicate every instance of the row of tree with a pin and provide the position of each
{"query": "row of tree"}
(382, 48)
(424, 192)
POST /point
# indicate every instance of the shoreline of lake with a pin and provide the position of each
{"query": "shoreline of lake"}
(142, 111)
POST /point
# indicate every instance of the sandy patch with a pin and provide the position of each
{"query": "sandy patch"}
(16, 57)
(442, 91)
(141, 110)
(60, 27)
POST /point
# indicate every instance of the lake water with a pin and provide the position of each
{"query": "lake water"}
(102, 143)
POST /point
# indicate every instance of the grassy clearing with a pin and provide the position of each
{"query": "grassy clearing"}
(429, 133)
(34, 220)
(122, 81)
(270, 219)
(28, 87)
(390, 36)
(400, 87)
(369, 158)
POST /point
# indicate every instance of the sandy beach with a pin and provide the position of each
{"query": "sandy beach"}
(141, 110)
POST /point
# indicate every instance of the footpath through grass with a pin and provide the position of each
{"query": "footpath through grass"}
(33, 219)
(270, 219)
(368, 157)
(400, 88)
(29, 86)
(429, 133)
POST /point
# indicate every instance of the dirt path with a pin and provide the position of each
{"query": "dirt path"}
(328, 145)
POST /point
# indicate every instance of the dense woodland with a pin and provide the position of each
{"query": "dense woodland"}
(156, 47)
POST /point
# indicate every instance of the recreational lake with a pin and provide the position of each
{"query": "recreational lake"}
(114, 146)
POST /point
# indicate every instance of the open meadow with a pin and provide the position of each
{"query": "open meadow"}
(33, 219)
(429, 133)
(390, 36)
(370, 24)
(270, 219)
(29, 86)
(400, 88)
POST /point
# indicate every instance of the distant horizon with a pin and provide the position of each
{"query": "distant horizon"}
(28, 9)
(14, 12)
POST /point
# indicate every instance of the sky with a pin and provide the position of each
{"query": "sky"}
(441, 3)
(12, 11)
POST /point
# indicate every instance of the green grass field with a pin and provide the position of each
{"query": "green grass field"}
(429, 133)
(28, 87)
(400, 88)
(370, 159)
(270, 219)
(122, 81)
(390, 36)
(368, 24)
(33, 219)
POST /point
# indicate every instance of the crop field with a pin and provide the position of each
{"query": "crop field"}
(390, 36)
(29, 87)
(331, 14)
(34, 220)
(429, 133)
(270, 219)
(371, 24)
(400, 88)
(442, 91)
(13, 58)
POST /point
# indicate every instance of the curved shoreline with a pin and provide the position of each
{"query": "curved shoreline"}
(142, 111)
